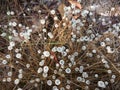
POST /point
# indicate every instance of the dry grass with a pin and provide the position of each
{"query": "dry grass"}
(82, 49)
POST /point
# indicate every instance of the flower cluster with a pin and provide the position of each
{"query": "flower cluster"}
(47, 48)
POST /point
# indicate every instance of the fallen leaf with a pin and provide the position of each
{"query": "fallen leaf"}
(77, 4)
(61, 9)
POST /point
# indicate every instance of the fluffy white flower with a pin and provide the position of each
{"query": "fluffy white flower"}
(12, 43)
(39, 70)
(16, 50)
(19, 89)
(4, 62)
(37, 79)
(56, 25)
(59, 49)
(8, 56)
(50, 35)
(9, 79)
(57, 82)
(28, 65)
(20, 76)
(62, 62)
(14, 24)
(44, 75)
(20, 71)
(4, 80)
(16, 81)
(49, 82)
(3, 34)
(9, 73)
(45, 69)
(68, 70)
(101, 84)
(44, 30)
(10, 47)
(39, 51)
(52, 12)
(18, 55)
(20, 25)
(84, 13)
(41, 63)
(109, 49)
(12, 12)
(84, 74)
(94, 51)
(55, 18)
(10, 37)
(42, 21)
(46, 53)
(103, 44)
(54, 49)
(8, 13)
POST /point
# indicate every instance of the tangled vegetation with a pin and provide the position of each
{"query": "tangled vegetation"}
(59, 45)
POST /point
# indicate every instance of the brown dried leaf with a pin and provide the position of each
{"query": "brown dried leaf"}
(61, 9)
(76, 4)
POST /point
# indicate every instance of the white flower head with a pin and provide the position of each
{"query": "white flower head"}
(52, 12)
(50, 35)
(54, 49)
(18, 55)
(49, 82)
(12, 12)
(20, 25)
(68, 70)
(39, 70)
(68, 87)
(46, 53)
(16, 50)
(19, 89)
(103, 44)
(55, 18)
(73, 6)
(94, 51)
(45, 69)
(44, 30)
(85, 74)
(101, 84)
(20, 71)
(20, 76)
(14, 24)
(12, 43)
(81, 69)
(57, 82)
(62, 62)
(16, 81)
(8, 13)
(28, 65)
(9, 79)
(4, 62)
(10, 47)
(9, 73)
(42, 21)
(4, 80)
(84, 13)
(44, 75)
(56, 25)
(10, 37)
(79, 79)
(37, 79)
(41, 63)
(59, 49)
(109, 49)
(3, 34)
(8, 56)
